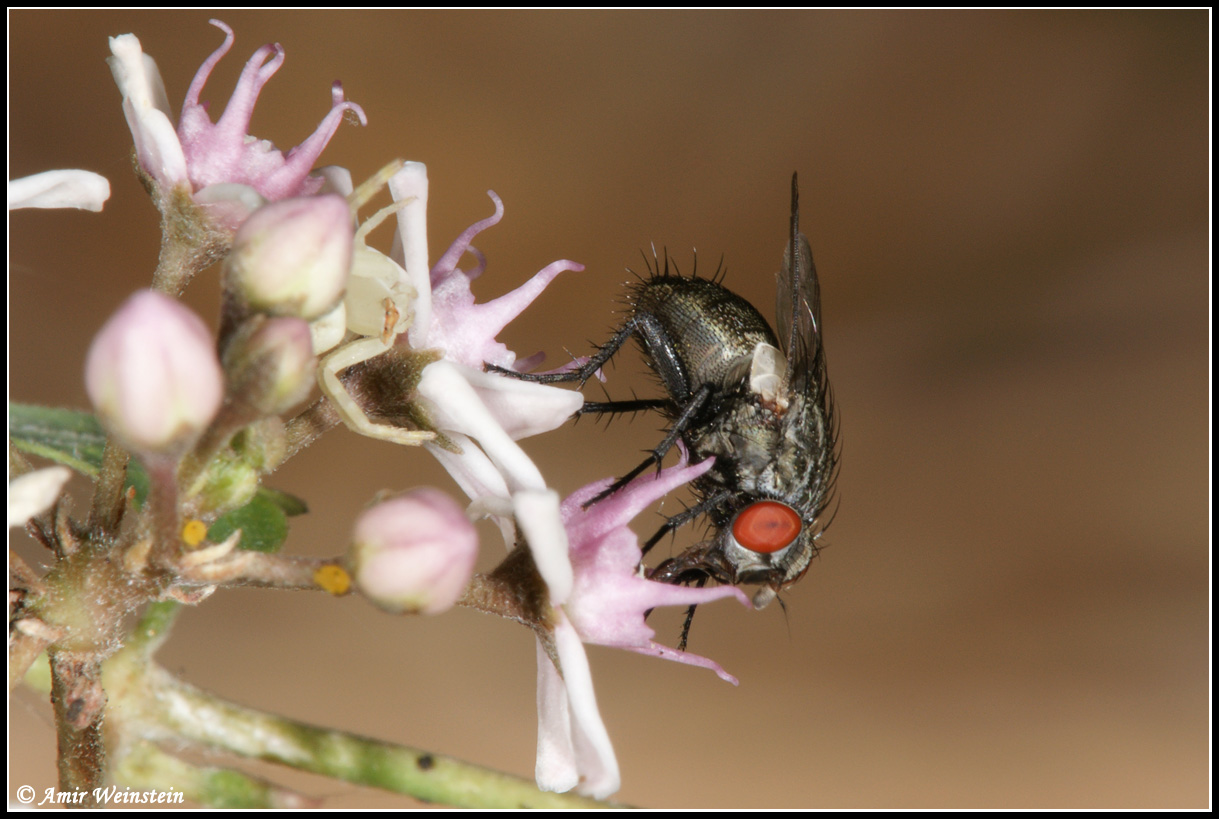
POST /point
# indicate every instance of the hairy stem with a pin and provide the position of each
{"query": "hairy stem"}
(79, 703)
(309, 425)
(108, 497)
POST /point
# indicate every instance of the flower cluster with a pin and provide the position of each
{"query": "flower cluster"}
(588, 559)
(398, 346)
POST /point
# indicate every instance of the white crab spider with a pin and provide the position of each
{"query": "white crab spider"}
(376, 309)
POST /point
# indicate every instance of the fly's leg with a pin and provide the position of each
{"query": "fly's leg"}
(669, 367)
(694, 567)
(604, 353)
(685, 629)
(653, 336)
(682, 518)
(615, 407)
(688, 413)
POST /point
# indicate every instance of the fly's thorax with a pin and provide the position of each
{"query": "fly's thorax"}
(742, 434)
(712, 329)
(803, 468)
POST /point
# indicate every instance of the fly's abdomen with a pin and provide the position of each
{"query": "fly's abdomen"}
(712, 331)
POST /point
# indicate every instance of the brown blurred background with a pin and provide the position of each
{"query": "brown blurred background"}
(1010, 217)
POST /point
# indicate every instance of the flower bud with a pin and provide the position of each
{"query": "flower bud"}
(152, 375)
(291, 258)
(270, 364)
(414, 553)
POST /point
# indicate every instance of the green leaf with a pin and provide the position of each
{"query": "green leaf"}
(290, 504)
(263, 525)
(76, 440)
(69, 437)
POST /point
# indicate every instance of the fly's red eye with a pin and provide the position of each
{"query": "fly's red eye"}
(766, 526)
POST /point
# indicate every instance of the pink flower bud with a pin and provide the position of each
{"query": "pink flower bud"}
(271, 366)
(414, 553)
(152, 374)
(291, 258)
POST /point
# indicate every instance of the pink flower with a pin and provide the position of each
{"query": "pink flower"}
(465, 330)
(474, 407)
(483, 414)
(609, 599)
(465, 403)
(588, 559)
(200, 153)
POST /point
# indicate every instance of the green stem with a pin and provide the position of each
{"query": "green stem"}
(175, 711)
(153, 629)
(145, 767)
(189, 241)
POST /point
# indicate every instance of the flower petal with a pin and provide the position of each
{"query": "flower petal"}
(410, 245)
(572, 739)
(610, 598)
(146, 107)
(522, 408)
(152, 374)
(556, 764)
(59, 189)
(455, 405)
(33, 493)
(537, 514)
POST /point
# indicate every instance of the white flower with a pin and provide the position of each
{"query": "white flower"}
(59, 189)
(468, 405)
(33, 493)
(588, 559)
(484, 414)
(574, 749)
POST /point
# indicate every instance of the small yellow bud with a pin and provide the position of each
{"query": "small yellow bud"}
(333, 579)
(193, 532)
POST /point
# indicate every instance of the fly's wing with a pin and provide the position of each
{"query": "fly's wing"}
(811, 409)
(799, 310)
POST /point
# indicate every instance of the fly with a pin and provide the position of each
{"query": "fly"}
(759, 402)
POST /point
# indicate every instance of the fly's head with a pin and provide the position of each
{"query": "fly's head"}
(765, 543)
